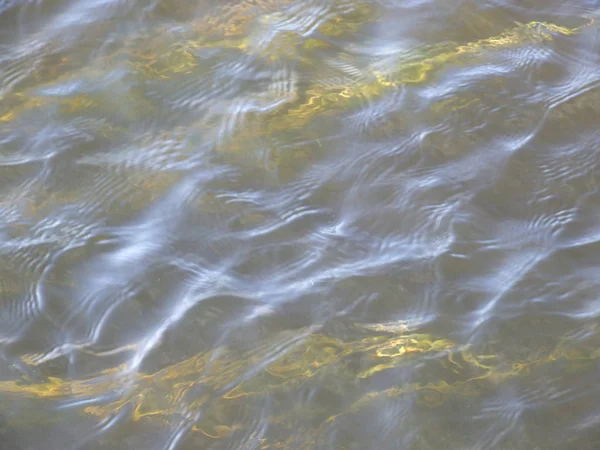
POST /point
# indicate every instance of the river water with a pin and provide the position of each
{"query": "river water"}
(299, 224)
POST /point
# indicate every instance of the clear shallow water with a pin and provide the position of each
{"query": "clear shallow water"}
(299, 224)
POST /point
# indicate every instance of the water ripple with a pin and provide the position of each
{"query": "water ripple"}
(319, 224)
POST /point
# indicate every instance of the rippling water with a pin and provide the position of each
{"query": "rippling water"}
(299, 224)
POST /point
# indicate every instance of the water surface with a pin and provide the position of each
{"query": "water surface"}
(299, 224)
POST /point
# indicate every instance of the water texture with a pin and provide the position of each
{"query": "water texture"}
(299, 224)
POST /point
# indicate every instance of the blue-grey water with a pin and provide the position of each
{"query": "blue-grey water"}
(299, 224)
